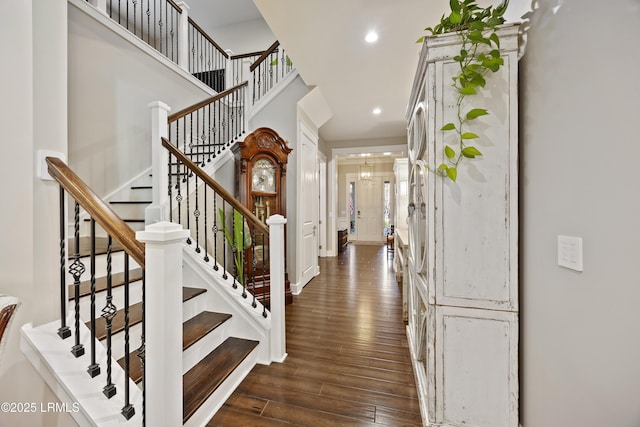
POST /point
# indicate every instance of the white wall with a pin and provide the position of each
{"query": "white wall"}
(111, 83)
(33, 34)
(580, 343)
(281, 115)
(244, 37)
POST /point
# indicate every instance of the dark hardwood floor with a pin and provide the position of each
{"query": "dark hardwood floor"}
(348, 362)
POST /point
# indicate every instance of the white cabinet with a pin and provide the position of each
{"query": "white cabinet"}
(463, 245)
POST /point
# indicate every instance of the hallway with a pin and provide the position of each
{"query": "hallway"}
(348, 360)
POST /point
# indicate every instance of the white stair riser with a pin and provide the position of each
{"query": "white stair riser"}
(204, 346)
(194, 306)
(129, 210)
(135, 295)
(117, 266)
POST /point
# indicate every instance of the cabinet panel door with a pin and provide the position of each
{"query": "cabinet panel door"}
(476, 216)
(476, 367)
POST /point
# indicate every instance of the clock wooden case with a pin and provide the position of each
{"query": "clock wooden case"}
(261, 171)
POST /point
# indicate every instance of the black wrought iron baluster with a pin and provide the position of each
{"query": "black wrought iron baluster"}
(170, 190)
(216, 107)
(160, 25)
(212, 148)
(148, 13)
(108, 313)
(184, 146)
(135, 10)
(196, 215)
(187, 212)
(253, 78)
(128, 410)
(265, 254)
(243, 259)
(155, 13)
(225, 125)
(77, 269)
(215, 232)
(224, 246)
(94, 368)
(244, 108)
(205, 228)
(234, 249)
(172, 33)
(141, 352)
(254, 304)
(63, 331)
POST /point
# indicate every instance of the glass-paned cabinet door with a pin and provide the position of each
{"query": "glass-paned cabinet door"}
(418, 215)
(417, 133)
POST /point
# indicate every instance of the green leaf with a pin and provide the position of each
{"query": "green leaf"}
(471, 152)
(476, 112)
(449, 152)
(448, 126)
(455, 18)
(452, 173)
(495, 39)
(420, 40)
(455, 6)
(495, 53)
(469, 90)
(443, 167)
(469, 135)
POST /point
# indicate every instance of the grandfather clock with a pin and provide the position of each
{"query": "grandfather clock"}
(261, 171)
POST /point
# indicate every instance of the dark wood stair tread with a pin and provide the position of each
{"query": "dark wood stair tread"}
(135, 317)
(141, 187)
(117, 280)
(204, 378)
(192, 331)
(188, 293)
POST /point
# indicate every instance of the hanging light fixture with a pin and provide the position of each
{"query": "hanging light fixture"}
(366, 172)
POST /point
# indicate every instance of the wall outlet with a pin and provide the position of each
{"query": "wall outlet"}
(570, 252)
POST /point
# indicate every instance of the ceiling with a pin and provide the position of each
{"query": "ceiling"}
(325, 40)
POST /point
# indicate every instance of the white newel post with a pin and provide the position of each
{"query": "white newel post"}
(276, 270)
(158, 210)
(183, 37)
(163, 322)
(101, 5)
(228, 71)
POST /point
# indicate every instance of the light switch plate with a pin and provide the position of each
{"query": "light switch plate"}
(570, 252)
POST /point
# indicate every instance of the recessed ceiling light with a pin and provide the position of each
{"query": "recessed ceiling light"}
(371, 37)
(377, 111)
(387, 153)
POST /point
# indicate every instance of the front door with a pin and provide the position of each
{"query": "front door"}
(368, 212)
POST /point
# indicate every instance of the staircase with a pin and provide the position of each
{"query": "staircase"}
(225, 332)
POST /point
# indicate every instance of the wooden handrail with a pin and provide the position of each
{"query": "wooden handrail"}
(180, 114)
(97, 208)
(175, 6)
(228, 197)
(206, 36)
(246, 55)
(265, 54)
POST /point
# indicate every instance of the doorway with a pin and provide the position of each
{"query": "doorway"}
(366, 204)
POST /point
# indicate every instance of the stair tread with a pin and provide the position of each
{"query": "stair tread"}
(192, 331)
(188, 293)
(130, 202)
(141, 187)
(117, 324)
(117, 280)
(204, 378)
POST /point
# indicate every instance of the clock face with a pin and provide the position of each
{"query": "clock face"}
(263, 176)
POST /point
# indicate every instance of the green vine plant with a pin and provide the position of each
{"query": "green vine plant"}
(479, 54)
(239, 239)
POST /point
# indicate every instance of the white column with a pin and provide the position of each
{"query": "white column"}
(183, 37)
(157, 211)
(276, 271)
(163, 322)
